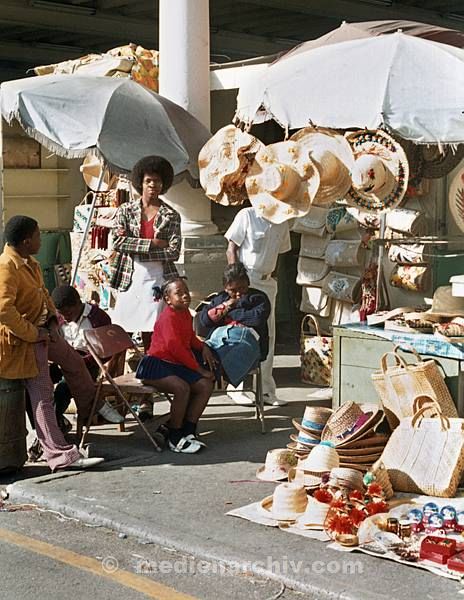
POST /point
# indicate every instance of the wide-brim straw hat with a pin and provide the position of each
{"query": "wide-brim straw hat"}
(438, 162)
(277, 464)
(350, 422)
(369, 439)
(282, 182)
(444, 304)
(332, 155)
(287, 503)
(224, 162)
(346, 477)
(314, 515)
(299, 450)
(362, 459)
(91, 169)
(381, 172)
(307, 479)
(314, 420)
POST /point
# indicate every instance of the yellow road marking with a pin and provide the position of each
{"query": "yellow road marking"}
(141, 584)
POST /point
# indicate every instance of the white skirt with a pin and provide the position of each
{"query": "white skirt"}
(136, 309)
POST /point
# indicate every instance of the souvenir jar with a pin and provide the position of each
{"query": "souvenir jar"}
(435, 523)
(429, 509)
(449, 517)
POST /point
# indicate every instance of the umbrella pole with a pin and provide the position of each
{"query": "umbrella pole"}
(379, 301)
(87, 225)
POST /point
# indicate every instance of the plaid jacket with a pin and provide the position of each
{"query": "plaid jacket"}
(128, 244)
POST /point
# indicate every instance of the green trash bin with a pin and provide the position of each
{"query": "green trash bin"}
(13, 432)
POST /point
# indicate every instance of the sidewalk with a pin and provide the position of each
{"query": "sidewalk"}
(179, 501)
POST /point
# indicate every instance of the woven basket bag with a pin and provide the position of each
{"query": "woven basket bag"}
(397, 385)
(380, 473)
(315, 354)
(426, 454)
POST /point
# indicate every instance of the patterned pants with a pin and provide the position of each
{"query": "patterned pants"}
(56, 451)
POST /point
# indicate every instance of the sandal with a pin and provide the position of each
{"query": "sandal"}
(186, 445)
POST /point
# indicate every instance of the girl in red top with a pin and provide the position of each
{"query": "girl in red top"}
(172, 365)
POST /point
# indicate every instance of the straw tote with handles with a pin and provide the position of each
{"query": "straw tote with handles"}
(426, 454)
(316, 355)
(397, 385)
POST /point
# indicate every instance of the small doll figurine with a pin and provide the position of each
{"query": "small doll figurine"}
(449, 517)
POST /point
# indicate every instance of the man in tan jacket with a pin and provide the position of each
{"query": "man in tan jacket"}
(29, 334)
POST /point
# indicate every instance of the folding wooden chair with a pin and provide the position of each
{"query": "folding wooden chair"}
(103, 343)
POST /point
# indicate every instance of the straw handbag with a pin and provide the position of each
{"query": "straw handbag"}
(316, 355)
(426, 454)
(397, 385)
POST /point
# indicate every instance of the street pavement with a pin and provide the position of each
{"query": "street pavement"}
(179, 502)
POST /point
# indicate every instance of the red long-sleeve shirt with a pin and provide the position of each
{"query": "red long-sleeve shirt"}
(173, 338)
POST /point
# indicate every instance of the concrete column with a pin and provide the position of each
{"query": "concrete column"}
(184, 79)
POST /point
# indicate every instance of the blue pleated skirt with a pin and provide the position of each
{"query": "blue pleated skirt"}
(154, 368)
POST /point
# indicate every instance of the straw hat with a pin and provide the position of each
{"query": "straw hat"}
(299, 450)
(287, 503)
(438, 162)
(282, 182)
(314, 419)
(444, 304)
(314, 515)
(332, 155)
(343, 477)
(277, 464)
(91, 169)
(305, 439)
(224, 162)
(350, 421)
(322, 459)
(380, 173)
(369, 439)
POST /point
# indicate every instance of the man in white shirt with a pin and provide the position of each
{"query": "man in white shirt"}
(257, 243)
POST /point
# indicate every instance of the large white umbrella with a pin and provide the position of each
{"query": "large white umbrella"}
(118, 119)
(412, 86)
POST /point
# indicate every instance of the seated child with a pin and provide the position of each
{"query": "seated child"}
(174, 364)
(242, 306)
(75, 317)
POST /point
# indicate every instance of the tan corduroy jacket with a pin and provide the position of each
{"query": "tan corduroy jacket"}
(22, 297)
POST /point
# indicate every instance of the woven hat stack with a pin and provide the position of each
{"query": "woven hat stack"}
(309, 431)
(310, 470)
(351, 429)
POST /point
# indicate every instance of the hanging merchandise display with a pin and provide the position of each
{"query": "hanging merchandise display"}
(315, 354)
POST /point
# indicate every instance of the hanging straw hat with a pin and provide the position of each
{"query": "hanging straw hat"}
(438, 162)
(380, 174)
(350, 421)
(287, 503)
(444, 304)
(282, 182)
(224, 162)
(332, 155)
(314, 420)
(277, 464)
(91, 170)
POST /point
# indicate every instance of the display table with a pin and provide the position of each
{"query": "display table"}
(359, 348)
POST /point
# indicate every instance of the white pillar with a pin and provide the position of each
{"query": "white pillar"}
(184, 79)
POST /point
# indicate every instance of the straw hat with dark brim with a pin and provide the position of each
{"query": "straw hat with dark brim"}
(381, 172)
(368, 440)
(282, 182)
(224, 162)
(363, 459)
(438, 162)
(332, 155)
(372, 415)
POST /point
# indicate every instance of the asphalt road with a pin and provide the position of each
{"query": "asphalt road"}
(43, 555)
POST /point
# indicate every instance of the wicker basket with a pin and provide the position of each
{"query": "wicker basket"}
(380, 474)
(398, 385)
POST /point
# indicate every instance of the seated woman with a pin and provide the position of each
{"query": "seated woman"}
(175, 364)
(236, 324)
